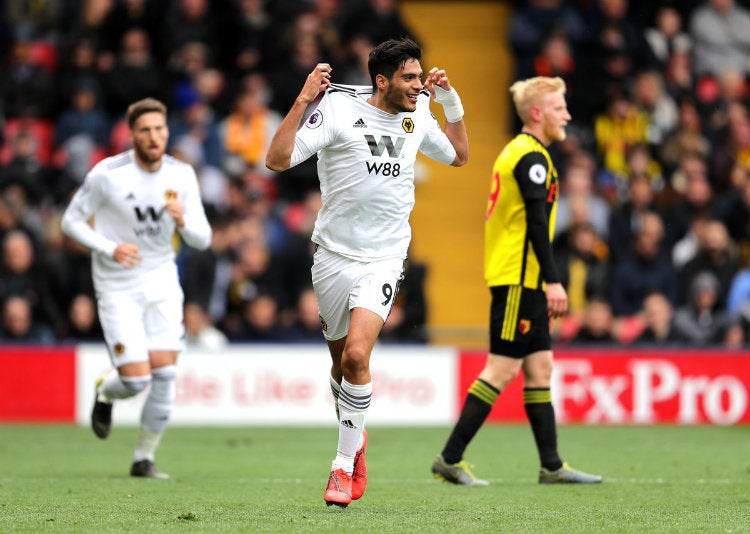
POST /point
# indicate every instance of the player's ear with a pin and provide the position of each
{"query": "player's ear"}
(381, 82)
(535, 112)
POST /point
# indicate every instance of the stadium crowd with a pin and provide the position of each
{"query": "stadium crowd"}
(653, 233)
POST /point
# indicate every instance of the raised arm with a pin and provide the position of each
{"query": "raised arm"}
(439, 86)
(279, 154)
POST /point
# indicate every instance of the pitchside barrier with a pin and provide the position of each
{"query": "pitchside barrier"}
(412, 385)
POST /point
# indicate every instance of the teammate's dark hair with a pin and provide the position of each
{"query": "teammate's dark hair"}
(147, 105)
(390, 55)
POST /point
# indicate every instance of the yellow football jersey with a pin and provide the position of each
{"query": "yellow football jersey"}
(523, 171)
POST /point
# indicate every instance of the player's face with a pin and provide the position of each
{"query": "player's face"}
(404, 87)
(150, 135)
(555, 116)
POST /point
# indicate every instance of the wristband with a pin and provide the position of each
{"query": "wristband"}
(451, 103)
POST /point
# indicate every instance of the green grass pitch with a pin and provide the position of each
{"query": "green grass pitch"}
(657, 479)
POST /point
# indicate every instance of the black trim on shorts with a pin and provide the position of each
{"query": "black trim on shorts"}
(519, 324)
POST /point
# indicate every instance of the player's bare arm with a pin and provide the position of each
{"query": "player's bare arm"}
(127, 255)
(279, 154)
(439, 86)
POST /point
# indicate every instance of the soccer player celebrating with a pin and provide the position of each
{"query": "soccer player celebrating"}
(366, 139)
(524, 284)
(137, 200)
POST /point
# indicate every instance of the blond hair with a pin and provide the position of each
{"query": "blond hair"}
(527, 93)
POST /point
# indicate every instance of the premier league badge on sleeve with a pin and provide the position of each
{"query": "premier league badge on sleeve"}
(538, 174)
(314, 120)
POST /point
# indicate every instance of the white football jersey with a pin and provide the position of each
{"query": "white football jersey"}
(127, 205)
(366, 163)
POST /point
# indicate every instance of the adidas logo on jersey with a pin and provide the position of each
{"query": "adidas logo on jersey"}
(359, 124)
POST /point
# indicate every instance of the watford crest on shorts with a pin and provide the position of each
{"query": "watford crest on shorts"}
(524, 325)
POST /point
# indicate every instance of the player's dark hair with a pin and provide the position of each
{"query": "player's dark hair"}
(147, 105)
(390, 55)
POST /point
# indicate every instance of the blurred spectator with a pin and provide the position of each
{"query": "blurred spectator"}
(581, 258)
(610, 63)
(212, 180)
(306, 326)
(207, 274)
(200, 331)
(259, 203)
(83, 321)
(733, 148)
(640, 161)
(69, 260)
(721, 106)
(620, 127)
(252, 37)
(247, 131)
(650, 95)
(18, 325)
(79, 67)
(377, 19)
(679, 77)
(688, 195)
(687, 138)
(302, 50)
(91, 21)
(739, 291)
(618, 30)
(537, 21)
(555, 58)
(626, 218)
(34, 19)
(83, 116)
(579, 200)
(734, 211)
(26, 89)
(126, 14)
(721, 33)
(190, 21)
(328, 13)
(716, 256)
(253, 273)
(135, 75)
(12, 218)
(658, 315)
(26, 275)
(645, 269)
(260, 322)
(596, 323)
(194, 119)
(701, 320)
(25, 172)
(358, 52)
(686, 248)
(667, 34)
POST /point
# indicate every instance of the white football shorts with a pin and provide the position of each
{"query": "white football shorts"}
(342, 284)
(138, 321)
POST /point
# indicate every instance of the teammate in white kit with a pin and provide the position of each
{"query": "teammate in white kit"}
(137, 200)
(366, 139)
